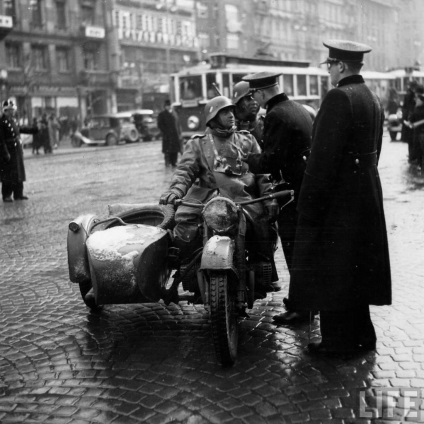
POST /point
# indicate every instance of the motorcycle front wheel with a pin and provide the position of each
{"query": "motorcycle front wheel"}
(224, 318)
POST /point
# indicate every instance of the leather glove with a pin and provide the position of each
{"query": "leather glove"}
(169, 197)
(273, 210)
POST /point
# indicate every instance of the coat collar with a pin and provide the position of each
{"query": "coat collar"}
(352, 79)
(282, 97)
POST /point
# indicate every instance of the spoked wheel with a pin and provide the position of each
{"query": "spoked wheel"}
(85, 287)
(224, 318)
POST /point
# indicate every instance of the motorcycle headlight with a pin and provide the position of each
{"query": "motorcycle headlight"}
(193, 122)
(220, 215)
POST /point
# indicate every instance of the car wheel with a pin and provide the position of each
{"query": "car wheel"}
(111, 140)
(133, 136)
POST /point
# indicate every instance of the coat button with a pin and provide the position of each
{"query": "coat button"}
(357, 161)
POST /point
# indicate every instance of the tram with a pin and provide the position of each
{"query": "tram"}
(404, 76)
(193, 87)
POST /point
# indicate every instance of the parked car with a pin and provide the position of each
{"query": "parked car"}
(144, 121)
(108, 130)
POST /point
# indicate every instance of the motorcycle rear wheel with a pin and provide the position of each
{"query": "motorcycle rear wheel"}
(224, 318)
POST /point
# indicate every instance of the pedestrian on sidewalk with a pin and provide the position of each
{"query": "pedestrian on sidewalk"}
(36, 141)
(44, 134)
(169, 126)
(341, 258)
(53, 126)
(418, 127)
(12, 169)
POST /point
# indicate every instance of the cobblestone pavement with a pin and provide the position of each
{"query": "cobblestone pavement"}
(60, 363)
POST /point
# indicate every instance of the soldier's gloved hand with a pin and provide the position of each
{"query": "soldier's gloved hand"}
(169, 197)
(273, 210)
(7, 157)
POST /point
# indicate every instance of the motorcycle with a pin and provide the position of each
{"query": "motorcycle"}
(129, 257)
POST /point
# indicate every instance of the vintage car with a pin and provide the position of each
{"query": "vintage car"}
(108, 129)
(144, 121)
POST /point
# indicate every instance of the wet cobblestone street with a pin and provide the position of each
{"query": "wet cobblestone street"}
(62, 364)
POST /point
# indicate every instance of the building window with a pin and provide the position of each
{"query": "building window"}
(9, 8)
(39, 58)
(87, 13)
(35, 7)
(233, 41)
(60, 14)
(202, 10)
(13, 55)
(62, 59)
(91, 59)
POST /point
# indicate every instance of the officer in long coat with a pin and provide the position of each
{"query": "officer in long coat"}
(341, 259)
(286, 144)
(169, 127)
(12, 169)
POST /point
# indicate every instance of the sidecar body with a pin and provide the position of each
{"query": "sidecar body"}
(122, 260)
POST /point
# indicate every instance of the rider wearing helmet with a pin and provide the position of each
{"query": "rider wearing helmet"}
(212, 165)
(246, 111)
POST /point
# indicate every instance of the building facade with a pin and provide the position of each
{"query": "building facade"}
(82, 57)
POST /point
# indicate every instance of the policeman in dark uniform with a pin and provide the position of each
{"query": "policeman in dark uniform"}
(211, 164)
(341, 260)
(286, 144)
(246, 111)
(12, 170)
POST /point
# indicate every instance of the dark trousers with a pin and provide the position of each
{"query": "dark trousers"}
(347, 329)
(171, 158)
(287, 221)
(8, 188)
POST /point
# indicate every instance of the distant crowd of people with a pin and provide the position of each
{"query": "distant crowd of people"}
(51, 131)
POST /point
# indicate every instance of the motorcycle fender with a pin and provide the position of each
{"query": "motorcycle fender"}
(218, 253)
(78, 232)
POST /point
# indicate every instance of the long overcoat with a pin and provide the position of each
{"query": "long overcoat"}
(287, 140)
(170, 128)
(12, 170)
(341, 257)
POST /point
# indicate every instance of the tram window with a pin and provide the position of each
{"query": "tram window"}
(301, 85)
(210, 89)
(237, 78)
(313, 85)
(190, 87)
(324, 86)
(405, 83)
(288, 85)
(226, 85)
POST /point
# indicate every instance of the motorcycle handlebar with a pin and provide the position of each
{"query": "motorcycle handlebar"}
(271, 196)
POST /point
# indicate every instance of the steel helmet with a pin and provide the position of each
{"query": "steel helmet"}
(240, 90)
(214, 105)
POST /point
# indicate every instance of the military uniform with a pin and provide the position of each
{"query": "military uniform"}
(286, 143)
(341, 259)
(212, 165)
(12, 169)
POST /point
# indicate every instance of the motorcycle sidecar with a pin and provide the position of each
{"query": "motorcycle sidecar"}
(122, 260)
